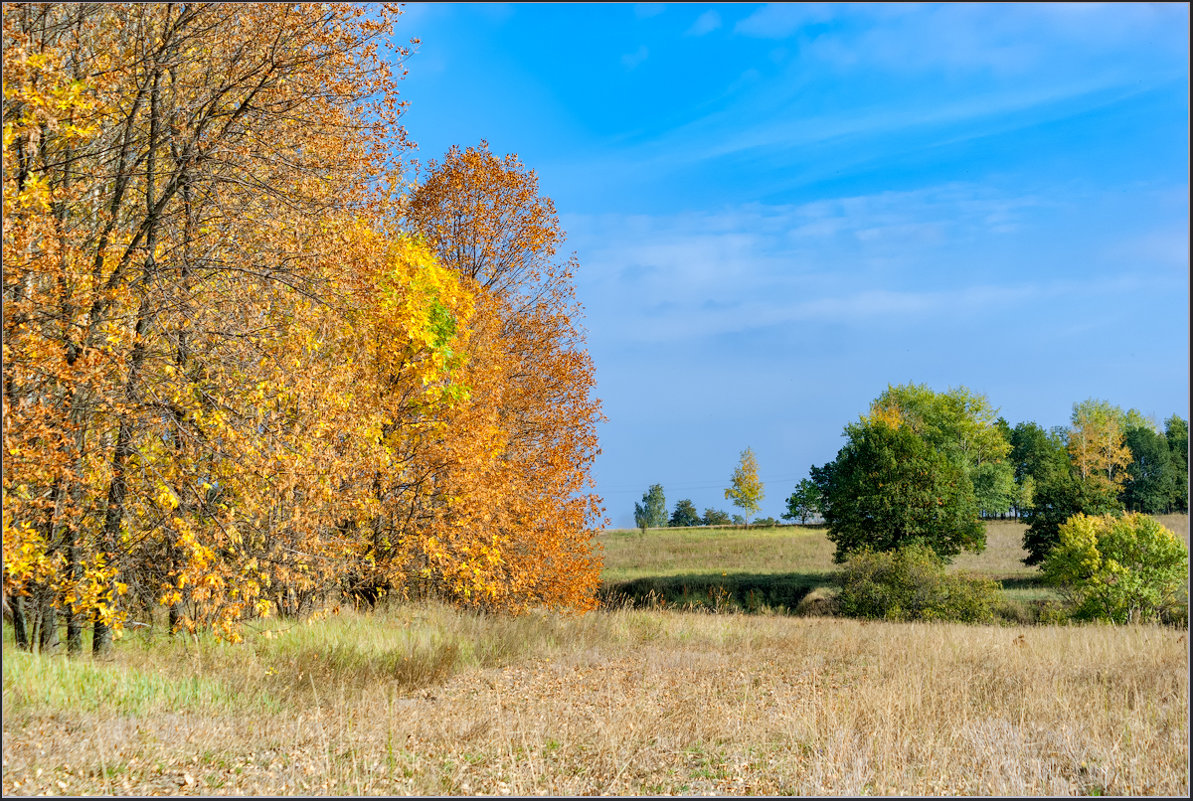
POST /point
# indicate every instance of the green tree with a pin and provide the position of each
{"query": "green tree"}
(804, 503)
(685, 514)
(1176, 431)
(745, 490)
(1025, 495)
(888, 487)
(1122, 568)
(1059, 494)
(994, 487)
(652, 511)
(1035, 453)
(716, 517)
(964, 427)
(1150, 481)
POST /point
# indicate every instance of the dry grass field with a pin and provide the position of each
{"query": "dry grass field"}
(422, 699)
(425, 700)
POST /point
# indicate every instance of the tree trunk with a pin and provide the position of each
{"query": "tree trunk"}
(48, 639)
(102, 642)
(19, 629)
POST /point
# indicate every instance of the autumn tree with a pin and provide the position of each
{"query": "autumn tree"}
(165, 169)
(745, 489)
(1097, 444)
(1088, 482)
(511, 518)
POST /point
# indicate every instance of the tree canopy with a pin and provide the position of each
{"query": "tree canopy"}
(239, 374)
(963, 426)
(888, 487)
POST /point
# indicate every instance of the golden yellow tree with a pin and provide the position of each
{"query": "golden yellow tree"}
(1097, 445)
(166, 167)
(745, 489)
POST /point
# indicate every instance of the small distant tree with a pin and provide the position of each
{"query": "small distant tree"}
(1122, 568)
(804, 503)
(716, 517)
(746, 491)
(685, 514)
(652, 511)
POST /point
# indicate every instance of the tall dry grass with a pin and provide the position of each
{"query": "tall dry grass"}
(425, 700)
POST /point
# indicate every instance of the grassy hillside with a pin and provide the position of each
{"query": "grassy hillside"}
(777, 568)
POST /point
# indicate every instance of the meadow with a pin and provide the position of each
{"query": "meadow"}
(424, 699)
(790, 568)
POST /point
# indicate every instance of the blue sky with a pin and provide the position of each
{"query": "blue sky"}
(781, 209)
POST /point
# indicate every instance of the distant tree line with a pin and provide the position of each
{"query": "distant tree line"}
(928, 466)
(745, 489)
(651, 512)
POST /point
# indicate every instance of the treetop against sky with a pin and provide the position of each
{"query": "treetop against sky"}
(778, 210)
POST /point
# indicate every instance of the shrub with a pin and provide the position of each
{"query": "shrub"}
(910, 583)
(1124, 569)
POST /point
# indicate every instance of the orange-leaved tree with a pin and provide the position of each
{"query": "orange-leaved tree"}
(513, 514)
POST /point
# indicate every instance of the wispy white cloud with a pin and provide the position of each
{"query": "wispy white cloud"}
(707, 22)
(925, 257)
(645, 10)
(780, 20)
(632, 60)
(939, 123)
(1002, 38)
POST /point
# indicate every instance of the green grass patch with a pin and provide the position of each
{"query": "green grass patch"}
(629, 554)
(57, 683)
